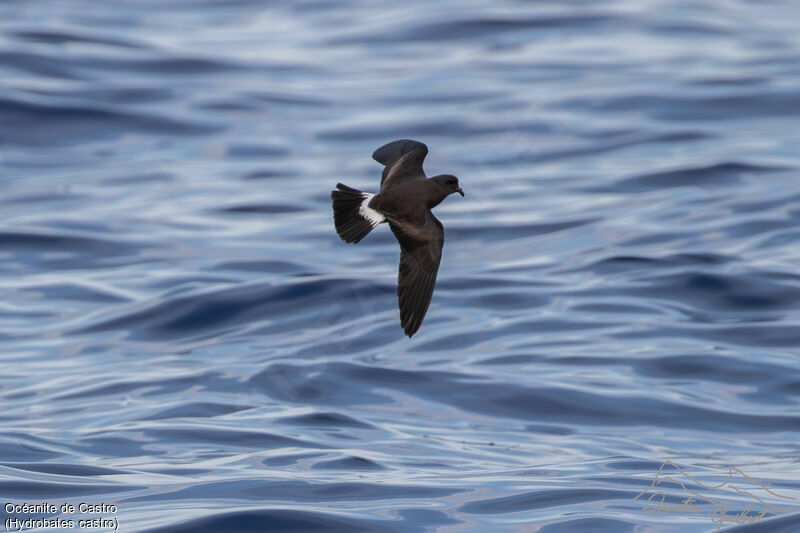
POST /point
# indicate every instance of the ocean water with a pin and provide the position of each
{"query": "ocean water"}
(187, 346)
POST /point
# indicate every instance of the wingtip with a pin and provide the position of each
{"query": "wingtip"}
(411, 329)
(390, 152)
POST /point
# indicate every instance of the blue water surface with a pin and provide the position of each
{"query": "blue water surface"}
(184, 336)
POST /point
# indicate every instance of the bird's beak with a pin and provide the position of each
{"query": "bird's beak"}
(459, 191)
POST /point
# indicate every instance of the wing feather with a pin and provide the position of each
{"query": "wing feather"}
(400, 159)
(420, 255)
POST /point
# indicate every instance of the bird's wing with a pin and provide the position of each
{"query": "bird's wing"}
(401, 159)
(420, 254)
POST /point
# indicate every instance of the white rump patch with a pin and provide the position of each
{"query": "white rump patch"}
(366, 212)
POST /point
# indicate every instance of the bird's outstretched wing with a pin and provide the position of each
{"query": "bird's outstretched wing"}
(401, 159)
(420, 255)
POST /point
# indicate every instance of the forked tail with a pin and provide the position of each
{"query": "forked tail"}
(351, 213)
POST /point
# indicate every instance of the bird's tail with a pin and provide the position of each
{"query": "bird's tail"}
(351, 214)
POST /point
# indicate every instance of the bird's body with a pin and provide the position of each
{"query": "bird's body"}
(405, 201)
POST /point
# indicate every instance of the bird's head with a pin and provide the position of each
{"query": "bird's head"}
(449, 183)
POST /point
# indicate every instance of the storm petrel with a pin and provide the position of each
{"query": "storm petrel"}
(404, 201)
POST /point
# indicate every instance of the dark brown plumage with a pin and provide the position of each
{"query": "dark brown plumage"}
(405, 202)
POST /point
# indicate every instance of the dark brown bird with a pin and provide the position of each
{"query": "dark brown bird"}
(405, 201)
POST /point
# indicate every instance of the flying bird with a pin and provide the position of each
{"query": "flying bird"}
(405, 201)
